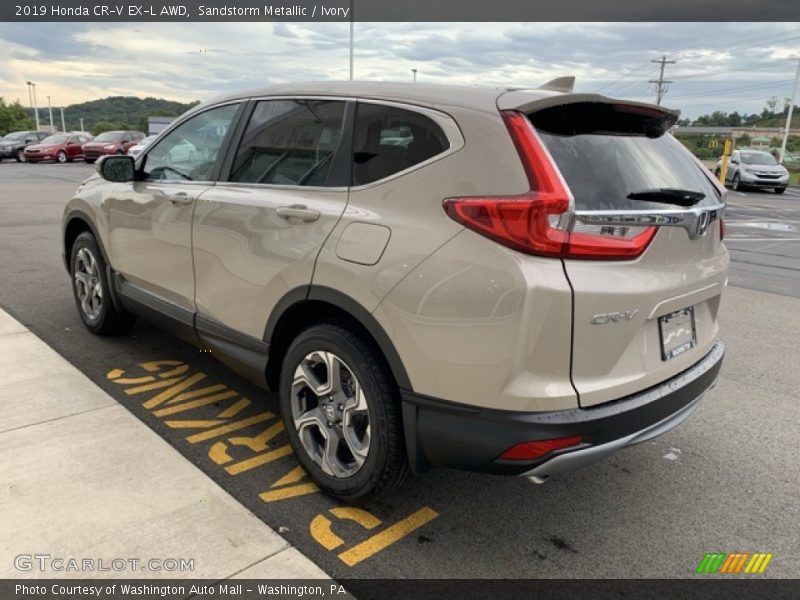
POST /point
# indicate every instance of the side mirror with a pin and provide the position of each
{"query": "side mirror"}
(117, 168)
(734, 161)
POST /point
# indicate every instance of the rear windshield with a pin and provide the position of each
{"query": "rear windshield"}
(601, 170)
(18, 135)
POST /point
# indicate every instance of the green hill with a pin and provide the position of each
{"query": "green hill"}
(114, 112)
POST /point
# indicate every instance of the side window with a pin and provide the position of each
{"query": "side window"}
(388, 140)
(290, 142)
(189, 152)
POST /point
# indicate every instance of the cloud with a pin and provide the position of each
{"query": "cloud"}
(716, 62)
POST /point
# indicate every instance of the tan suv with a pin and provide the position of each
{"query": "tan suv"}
(507, 281)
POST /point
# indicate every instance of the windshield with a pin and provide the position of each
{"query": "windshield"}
(109, 136)
(17, 135)
(606, 172)
(54, 139)
(758, 159)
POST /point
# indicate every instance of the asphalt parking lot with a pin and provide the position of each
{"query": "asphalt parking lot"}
(727, 480)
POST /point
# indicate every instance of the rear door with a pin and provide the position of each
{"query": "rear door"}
(643, 319)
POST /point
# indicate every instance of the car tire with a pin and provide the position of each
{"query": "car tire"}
(360, 415)
(92, 290)
(780, 190)
(20, 156)
(61, 156)
(736, 184)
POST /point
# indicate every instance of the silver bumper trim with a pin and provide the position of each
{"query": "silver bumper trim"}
(579, 458)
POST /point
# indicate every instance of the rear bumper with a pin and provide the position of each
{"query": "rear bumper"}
(445, 434)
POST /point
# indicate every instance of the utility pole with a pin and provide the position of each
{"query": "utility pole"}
(661, 83)
(63, 124)
(414, 80)
(81, 124)
(50, 108)
(32, 86)
(791, 110)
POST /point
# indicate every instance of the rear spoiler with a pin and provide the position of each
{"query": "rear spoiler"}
(569, 113)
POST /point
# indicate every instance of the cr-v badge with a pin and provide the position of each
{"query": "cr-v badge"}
(614, 317)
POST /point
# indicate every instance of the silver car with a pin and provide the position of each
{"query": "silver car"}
(509, 281)
(754, 168)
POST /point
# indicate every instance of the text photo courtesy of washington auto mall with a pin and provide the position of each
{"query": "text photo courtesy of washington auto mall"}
(379, 300)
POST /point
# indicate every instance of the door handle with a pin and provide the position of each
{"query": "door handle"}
(181, 198)
(297, 213)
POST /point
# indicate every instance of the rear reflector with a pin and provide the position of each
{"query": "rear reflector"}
(529, 222)
(538, 448)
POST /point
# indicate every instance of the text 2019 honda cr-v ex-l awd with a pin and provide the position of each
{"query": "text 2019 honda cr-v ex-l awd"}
(509, 281)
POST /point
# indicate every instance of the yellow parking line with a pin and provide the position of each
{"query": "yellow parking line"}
(171, 410)
(289, 492)
(212, 433)
(257, 461)
(387, 537)
(174, 390)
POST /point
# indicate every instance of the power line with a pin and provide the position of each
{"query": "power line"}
(735, 89)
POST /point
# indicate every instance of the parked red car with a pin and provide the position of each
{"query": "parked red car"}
(60, 147)
(111, 142)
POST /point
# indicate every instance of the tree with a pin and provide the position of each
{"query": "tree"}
(102, 127)
(13, 117)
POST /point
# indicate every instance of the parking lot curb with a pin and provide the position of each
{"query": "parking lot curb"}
(83, 478)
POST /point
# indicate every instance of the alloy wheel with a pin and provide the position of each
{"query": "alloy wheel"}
(88, 285)
(330, 413)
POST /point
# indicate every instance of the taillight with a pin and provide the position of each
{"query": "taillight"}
(538, 448)
(529, 222)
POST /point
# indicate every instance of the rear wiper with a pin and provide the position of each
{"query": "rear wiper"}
(669, 196)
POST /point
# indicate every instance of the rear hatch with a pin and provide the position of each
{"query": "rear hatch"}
(647, 284)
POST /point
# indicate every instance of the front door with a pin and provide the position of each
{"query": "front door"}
(258, 234)
(150, 219)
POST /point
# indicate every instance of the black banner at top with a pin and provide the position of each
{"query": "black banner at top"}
(397, 10)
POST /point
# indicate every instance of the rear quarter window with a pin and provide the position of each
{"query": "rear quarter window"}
(388, 140)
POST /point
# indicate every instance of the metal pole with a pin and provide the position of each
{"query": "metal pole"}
(351, 42)
(35, 107)
(414, 80)
(791, 110)
(30, 96)
(63, 124)
(81, 124)
(50, 108)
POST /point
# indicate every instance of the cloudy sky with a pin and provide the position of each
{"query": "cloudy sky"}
(733, 66)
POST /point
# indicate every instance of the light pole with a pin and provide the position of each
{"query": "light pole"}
(50, 108)
(81, 124)
(32, 86)
(790, 111)
(63, 124)
(414, 80)
(351, 42)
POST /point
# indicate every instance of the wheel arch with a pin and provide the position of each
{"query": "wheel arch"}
(302, 307)
(75, 223)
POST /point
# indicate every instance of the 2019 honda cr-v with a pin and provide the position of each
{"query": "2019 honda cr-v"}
(507, 281)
